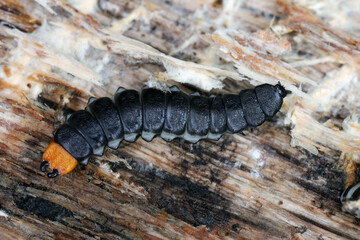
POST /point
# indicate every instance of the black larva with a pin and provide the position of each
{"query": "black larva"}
(168, 114)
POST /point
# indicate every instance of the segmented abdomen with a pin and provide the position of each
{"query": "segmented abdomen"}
(168, 114)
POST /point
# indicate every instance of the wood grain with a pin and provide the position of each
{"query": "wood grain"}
(255, 186)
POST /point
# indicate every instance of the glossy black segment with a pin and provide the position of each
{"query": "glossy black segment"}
(129, 107)
(154, 106)
(269, 98)
(235, 118)
(73, 142)
(103, 109)
(89, 128)
(53, 174)
(44, 165)
(177, 111)
(217, 116)
(251, 107)
(199, 116)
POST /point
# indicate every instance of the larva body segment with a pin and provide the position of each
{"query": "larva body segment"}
(253, 113)
(90, 129)
(128, 105)
(270, 98)
(198, 122)
(217, 118)
(154, 109)
(153, 112)
(235, 118)
(103, 109)
(72, 141)
(176, 115)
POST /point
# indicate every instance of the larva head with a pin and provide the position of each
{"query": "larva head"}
(58, 159)
(282, 91)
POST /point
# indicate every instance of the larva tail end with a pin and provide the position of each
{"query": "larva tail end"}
(281, 90)
(57, 159)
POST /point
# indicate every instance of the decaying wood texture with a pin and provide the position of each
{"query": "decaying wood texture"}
(281, 180)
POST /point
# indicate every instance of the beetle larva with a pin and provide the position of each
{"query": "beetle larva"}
(153, 112)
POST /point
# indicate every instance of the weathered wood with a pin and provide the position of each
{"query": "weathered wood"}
(255, 186)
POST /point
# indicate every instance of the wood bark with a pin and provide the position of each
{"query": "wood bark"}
(252, 186)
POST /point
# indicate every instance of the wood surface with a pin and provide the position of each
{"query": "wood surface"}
(252, 186)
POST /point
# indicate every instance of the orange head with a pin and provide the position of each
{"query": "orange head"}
(57, 159)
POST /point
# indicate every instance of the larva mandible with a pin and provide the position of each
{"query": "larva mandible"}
(153, 112)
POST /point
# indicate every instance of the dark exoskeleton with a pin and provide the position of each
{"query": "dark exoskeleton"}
(168, 114)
